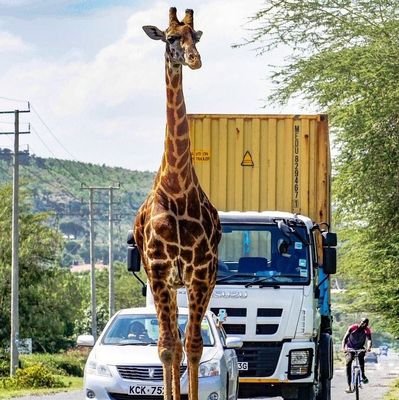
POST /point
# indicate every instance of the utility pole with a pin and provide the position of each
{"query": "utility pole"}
(92, 256)
(111, 285)
(14, 337)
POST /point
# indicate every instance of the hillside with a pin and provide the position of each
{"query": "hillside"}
(55, 186)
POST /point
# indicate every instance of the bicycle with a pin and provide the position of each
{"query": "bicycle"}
(356, 374)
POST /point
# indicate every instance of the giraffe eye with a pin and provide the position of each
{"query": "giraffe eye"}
(172, 39)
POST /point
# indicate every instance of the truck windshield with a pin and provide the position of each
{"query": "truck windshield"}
(263, 255)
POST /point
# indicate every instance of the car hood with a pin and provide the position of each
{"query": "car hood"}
(137, 355)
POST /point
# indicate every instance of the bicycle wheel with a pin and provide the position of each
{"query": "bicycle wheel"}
(357, 384)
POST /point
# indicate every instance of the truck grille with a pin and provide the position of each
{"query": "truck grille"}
(266, 329)
(231, 312)
(234, 329)
(262, 358)
(146, 373)
(269, 312)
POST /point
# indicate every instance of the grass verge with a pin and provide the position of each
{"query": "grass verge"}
(393, 393)
(71, 383)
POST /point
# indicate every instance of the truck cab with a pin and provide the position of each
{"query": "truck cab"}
(269, 283)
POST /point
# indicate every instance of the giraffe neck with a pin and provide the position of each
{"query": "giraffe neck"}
(176, 170)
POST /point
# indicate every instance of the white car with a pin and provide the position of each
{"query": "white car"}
(124, 362)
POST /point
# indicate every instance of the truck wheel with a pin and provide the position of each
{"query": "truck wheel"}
(306, 393)
(325, 356)
(324, 389)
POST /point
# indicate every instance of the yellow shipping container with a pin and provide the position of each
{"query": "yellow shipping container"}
(264, 162)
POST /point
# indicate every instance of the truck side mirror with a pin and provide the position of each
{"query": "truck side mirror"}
(329, 239)
(329, 260)
(133, 254)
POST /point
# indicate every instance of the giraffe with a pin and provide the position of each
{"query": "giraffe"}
(177, 229)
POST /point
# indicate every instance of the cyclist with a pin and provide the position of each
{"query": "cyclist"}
(357, 337)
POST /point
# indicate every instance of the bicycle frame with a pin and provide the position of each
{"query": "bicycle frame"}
(356, 373)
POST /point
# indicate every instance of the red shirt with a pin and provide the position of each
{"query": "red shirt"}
(357, 336)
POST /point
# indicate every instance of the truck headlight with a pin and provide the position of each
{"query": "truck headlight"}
(300, 363)
(209, 368)
(95, 368)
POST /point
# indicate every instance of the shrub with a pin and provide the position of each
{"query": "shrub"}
(36, 376)
(4, 367)
(69, 363)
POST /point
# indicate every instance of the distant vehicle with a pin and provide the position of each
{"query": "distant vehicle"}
(383, 350)
(371, 357)
(124, 361)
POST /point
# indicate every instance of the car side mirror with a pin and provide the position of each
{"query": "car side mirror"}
(233, 342)
(85, 340)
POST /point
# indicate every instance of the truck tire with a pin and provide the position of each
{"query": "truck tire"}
(324, 389)
(306, 392)
(326, 356)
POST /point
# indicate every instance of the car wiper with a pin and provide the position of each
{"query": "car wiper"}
(135, 344)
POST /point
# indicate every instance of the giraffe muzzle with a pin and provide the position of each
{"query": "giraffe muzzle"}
(194, 61)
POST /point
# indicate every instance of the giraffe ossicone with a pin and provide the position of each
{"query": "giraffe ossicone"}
(177, 229)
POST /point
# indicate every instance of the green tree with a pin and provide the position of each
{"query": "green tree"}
(46, 293)
(344, 59)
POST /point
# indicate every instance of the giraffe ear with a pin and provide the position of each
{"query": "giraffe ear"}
(154, 33)
(198, 35)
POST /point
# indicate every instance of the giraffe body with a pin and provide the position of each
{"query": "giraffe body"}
(177, 230)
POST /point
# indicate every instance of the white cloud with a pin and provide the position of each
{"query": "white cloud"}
(10, 43)
(110, 107)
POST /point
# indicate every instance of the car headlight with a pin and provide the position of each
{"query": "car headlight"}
(209, 368)
(96, 368)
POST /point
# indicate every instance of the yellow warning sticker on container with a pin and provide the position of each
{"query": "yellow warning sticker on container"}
(201, 155)
(247, 160)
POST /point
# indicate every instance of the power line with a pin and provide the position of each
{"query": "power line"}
(92, 259)
(55, 137)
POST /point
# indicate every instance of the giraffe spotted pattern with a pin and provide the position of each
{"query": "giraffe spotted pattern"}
(177, 229)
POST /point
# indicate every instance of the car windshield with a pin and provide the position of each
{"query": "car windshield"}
(262, 254)
(143, 329)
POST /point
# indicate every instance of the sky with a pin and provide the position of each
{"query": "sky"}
(95, 82)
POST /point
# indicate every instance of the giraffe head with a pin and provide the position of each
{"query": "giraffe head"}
(180, 39)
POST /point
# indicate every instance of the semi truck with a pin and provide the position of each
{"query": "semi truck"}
(269, 178)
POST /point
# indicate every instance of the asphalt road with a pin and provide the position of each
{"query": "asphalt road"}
(380, 377)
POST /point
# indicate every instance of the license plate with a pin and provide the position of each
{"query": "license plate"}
(145, 390)
(243, 366)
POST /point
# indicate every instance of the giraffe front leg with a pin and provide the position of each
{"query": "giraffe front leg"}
(178, 353)
(166, 308)
(198, 299)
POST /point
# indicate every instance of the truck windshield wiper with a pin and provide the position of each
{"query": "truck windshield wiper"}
(232, 276)
(261, 280)
(271, 278)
